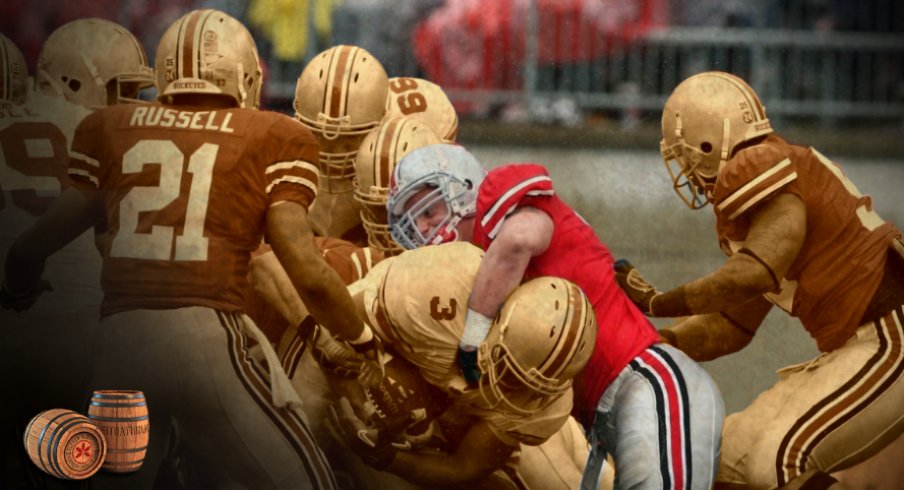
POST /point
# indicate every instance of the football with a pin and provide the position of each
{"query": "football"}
(404, 401)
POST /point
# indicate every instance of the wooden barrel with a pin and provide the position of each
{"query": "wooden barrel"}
(65, 444)
(122, 416)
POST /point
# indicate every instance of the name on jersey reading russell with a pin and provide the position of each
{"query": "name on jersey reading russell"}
(170, 118)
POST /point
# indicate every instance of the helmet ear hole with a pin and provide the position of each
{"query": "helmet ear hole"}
(706, 147)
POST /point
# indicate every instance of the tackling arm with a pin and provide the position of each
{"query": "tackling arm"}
(713, 335)
(318, 285)
(776, 235)
(525, 234)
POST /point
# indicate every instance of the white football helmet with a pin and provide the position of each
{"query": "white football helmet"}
(541, 339)
(93, 63)
(13, 74)
(705, 118)
(378, 156)
(208, 52)
(425, 101)
(341, 96)
(453, 174)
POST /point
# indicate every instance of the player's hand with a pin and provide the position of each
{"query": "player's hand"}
(372, 370)
(22, 301)
(369, 443)
(639, 291)
(334, 356)
(467, 362)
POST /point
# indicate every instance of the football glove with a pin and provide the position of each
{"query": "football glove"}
(467, 362)
(371, 444)
(22, 301)
(372, 370)
(639, 291)
(334, 356)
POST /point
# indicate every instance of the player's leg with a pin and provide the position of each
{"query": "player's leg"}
(665, 420)
(822, 416)
(195, 369)
(559, 462)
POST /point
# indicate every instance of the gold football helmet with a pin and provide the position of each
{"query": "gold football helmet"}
(705, 118)
(425, 101)
(93, 63)
(380, 151)
(208, 52)
(341, 96)
(13, 74)
(541, 339)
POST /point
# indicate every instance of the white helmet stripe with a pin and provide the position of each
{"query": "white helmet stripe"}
(188, 57)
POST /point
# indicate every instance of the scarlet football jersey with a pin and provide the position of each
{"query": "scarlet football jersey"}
(417, 302)
(836, 272)
(574, 253)
(186, 191)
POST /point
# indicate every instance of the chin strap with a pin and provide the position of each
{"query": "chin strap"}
(448, 233)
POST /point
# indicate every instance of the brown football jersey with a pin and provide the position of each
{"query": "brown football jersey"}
(836, 272)
(186, 191)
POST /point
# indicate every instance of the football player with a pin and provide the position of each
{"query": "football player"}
(544, 336)
(189, 185)
(556, 463)
(83, 65)
(340, 96)
(378, 155)
(647, 404)
(799, 235)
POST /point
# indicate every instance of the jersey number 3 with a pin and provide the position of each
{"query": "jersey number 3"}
(159, 243)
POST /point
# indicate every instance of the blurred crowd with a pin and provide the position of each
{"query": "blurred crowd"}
(460, 44)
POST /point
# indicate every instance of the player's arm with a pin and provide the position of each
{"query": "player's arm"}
(70, 215)
(776, 235)
(524, 234)
(270, 281)
(713, 335)
(318, 285)
(478, 455)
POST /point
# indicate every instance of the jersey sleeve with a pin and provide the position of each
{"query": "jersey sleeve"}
(290, 171)
(505, 189)
(751, 177)
(85, 153)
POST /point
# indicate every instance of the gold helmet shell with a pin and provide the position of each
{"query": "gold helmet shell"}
(541, 339)
(341, 96)
(93, 63)
(209, 52)
(704, 119)
(380, 152)
(425, 101)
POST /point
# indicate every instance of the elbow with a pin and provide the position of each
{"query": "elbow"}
(751, 276)
(756, 285)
